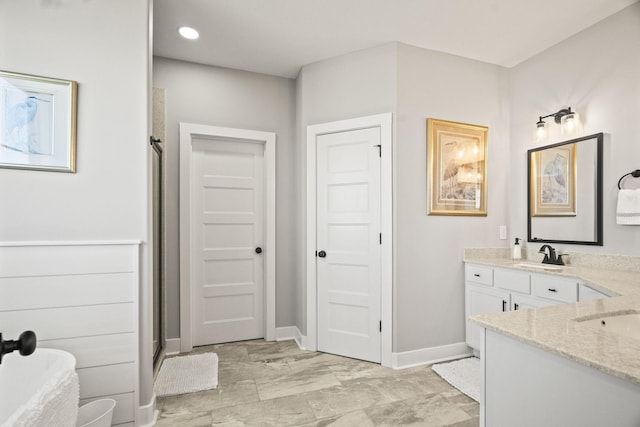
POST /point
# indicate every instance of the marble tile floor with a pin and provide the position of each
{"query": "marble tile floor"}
(277, 384)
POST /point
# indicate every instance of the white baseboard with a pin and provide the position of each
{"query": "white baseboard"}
(282, 334)
(172, 346)
(285, 333)
(406, 359)
(301, 340)
(291, 333)
(426, 356)
(148, 414)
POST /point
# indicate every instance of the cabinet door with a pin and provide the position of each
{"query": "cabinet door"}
(482, 300)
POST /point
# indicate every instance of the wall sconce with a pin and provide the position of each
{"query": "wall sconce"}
(565, 117)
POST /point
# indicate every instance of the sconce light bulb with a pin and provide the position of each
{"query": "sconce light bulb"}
(570, 123)
(541, 130)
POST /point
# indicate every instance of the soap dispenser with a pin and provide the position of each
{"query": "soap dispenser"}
(517, 251)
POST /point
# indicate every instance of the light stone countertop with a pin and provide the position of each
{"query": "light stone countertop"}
(555, 329)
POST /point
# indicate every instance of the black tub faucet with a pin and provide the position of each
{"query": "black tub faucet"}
(25, 344)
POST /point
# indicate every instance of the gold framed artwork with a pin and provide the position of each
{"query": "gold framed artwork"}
(457, 168)
(37, 123)
(553, 180)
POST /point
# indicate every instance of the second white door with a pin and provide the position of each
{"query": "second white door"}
(227, 295)
(349, 243)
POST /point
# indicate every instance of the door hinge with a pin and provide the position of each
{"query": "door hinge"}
(381, 326)
(379, 149)
(380, 238)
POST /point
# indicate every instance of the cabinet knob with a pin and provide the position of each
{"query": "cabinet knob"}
(322, 254)
(476, 275)
(258, 250)
(552, 290)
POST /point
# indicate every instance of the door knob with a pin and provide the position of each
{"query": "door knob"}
(258, 250)
(322, 254)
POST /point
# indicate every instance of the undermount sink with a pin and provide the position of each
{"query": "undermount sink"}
(548, 267)
(626, 322)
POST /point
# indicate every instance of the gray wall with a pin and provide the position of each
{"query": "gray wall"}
(415, 84)
(597, 73)
(429, 288)
(230, 98)
(106, 198)
(348, 86)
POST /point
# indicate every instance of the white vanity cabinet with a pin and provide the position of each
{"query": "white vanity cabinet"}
(527, 386)
(481, 299)
(492, 290)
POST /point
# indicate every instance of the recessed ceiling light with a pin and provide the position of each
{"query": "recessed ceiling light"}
(188, 33)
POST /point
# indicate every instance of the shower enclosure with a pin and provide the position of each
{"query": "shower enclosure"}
(158, 252)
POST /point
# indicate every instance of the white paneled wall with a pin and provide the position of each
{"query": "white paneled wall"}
(81, 297)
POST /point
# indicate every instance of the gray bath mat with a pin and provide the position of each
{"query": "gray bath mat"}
(463, 374)
(187, 374)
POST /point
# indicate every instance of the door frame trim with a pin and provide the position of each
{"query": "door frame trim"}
(187, 132)
(385, 123)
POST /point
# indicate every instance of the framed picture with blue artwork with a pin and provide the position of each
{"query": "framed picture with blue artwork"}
(553, 179)
(37, 123)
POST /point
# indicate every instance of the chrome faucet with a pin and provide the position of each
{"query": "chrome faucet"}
(551, 258)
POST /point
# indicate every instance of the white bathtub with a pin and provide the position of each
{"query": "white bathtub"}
(39, 390)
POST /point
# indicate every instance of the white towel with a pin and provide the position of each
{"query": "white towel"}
(628, 212)
(55, 404)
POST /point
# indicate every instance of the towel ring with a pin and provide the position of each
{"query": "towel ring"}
(635, 174)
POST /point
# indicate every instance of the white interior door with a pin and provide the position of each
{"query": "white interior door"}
(227, 276)
(349, 243)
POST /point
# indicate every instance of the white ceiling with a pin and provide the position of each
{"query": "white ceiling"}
(279, 36)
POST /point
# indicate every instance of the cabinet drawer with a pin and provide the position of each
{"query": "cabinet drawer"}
(478, 274)
(554, 288)
(512, 280)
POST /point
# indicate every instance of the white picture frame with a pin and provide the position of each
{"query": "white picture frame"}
(37, 123)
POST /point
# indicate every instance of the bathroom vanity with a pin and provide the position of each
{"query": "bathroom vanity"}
(555, 344)
(493, 290)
